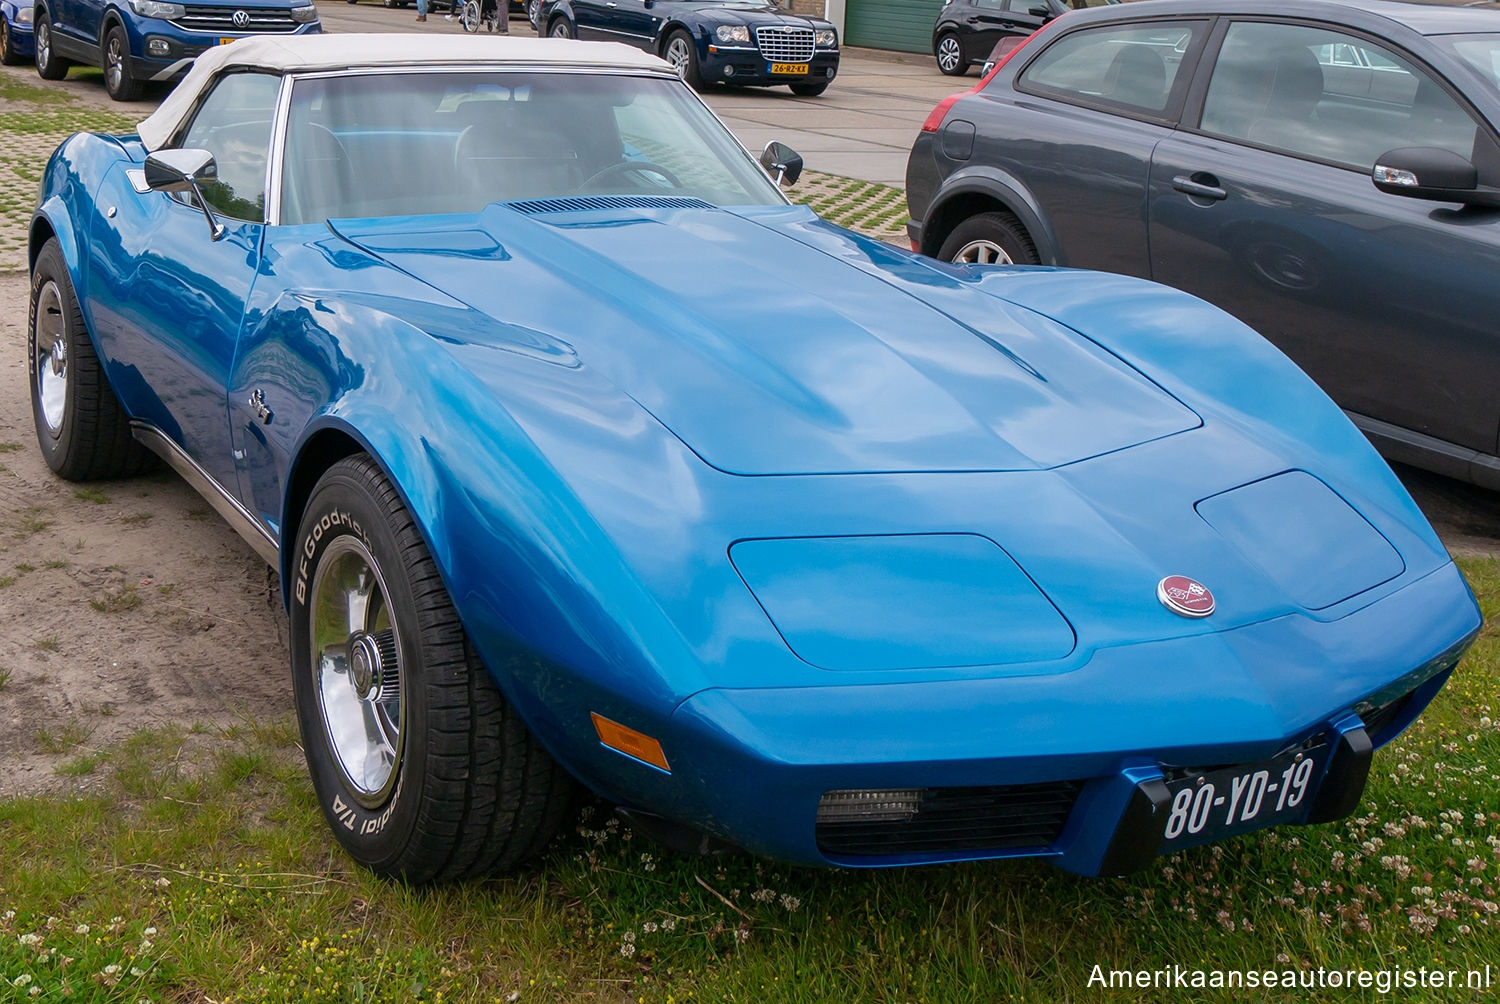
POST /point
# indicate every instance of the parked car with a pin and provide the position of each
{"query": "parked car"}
(751, 43)
(967, 31)
(602, 461)
(1325, 171)
(137, 42)
(15, 31)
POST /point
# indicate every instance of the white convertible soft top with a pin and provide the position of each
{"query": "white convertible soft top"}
(293, 53)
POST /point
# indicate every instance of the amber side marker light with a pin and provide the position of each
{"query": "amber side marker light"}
(626, 740)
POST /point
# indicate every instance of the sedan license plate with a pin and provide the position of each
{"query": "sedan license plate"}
(1220, 803)
(796, 69)
(226, 41)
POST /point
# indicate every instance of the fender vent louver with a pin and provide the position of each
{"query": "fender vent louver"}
(585, 203)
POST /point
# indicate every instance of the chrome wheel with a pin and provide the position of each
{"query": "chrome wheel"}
(357, 669)
(561, 29)
(43, 43)
(982, 252)
(114, 64)
(51, 357)
(949, 53)
(678, 55)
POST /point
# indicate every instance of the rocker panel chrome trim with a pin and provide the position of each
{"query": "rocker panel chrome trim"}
(213, 493)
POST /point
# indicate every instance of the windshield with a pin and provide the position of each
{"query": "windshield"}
(398, 144)
(1482, 52)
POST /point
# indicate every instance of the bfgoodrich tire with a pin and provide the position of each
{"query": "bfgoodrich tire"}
(83, 432)
(422, 768)
(989, 239)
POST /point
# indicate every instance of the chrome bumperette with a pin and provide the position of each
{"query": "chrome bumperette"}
(215, 494)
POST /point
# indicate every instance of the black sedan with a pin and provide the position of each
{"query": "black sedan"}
(1326, 170)
(742, 42)
(967, 31)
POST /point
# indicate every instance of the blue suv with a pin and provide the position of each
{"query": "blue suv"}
(137, 41)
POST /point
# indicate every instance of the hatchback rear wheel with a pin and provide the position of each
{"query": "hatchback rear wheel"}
(989, 239)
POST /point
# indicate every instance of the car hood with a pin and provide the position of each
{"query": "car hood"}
(767, 356)
(746, 12)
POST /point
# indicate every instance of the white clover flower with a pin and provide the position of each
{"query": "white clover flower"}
(649, 927)
(9, 915)
(137, 971)
(111, 969)
(627, 949)
(670, 924)
(790, 902)
(21, 981)
(30, 939)
(149, 932)
(81, 929)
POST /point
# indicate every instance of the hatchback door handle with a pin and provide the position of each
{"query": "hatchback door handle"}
(1203, 191)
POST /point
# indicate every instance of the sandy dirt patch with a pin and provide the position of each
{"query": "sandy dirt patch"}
(122, 603)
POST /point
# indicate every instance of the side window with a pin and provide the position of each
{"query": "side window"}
(1133, 67)
(1327, 96)
(990, 4)
(234, 124)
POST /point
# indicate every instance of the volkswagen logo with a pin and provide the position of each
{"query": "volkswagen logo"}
(1184, 596)
(241, 19)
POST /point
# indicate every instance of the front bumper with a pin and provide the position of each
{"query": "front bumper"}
(747, 66)
(164, 52)
(751, 766)
(21, 40)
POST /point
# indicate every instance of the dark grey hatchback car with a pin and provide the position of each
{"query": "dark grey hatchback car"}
(1328, 172)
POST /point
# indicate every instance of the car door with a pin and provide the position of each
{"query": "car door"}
(1267, 210)
(167, 298)
(1105, 96)
(593, 18)
(633, 22)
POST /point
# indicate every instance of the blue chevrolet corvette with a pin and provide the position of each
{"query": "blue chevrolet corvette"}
(600, 463)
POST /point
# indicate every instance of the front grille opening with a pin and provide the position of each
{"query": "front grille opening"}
(265, 20)
(785, 44)
(880, 823)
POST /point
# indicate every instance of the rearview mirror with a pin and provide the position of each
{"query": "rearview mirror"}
(1428, 172)
(782, 161)
(185, 171)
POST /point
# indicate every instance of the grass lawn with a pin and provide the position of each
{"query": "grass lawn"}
(214, 879)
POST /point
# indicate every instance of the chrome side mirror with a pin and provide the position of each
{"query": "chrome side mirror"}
(185, 171)
(782, 161)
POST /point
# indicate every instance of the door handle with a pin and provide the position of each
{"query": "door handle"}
(1198, 188)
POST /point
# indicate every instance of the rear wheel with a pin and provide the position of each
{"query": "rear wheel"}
(49, 65)
(989, 239)
(119, 81)
(422, 768)
(83, 432)
(561, 28)
(950, 55)
(683, 55)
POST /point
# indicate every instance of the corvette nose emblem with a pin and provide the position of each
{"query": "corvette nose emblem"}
(1184, 596)
(240, 19)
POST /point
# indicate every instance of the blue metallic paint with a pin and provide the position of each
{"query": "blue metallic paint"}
(529, 384)
(22, 43)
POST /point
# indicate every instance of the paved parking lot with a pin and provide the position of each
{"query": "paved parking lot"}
(862, 127)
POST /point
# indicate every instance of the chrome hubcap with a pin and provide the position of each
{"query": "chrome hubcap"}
(51, 342)
(948, 53)
(357, 668)
(677, 55)
(982, 253)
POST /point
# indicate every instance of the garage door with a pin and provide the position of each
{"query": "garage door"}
(905, 25)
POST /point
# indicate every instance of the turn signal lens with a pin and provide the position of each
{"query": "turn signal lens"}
(624, 739)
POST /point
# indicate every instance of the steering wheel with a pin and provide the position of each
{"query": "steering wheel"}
(643, 167)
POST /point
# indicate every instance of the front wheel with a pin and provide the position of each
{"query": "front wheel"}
(809, 90)
(683, 55)
(422, 768)
(950, 56)
(533, 13)
(561, 28)
(119, 81)
(989, 239)
(83, 432)
(49, 65)
(8, 54)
